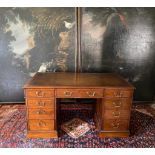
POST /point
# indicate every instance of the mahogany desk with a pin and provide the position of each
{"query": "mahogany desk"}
(112, 112)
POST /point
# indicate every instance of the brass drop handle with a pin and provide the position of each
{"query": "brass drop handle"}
(118, 94)
(40, 112)
(117, 105)
(41, 104)
(41, 124)
(91, 94)
(116, 114)
(68, 93)
(40, 94)
(115, 125)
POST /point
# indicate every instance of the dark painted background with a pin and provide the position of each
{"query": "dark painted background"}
(112, 40)
(33, 39)
(121, 40)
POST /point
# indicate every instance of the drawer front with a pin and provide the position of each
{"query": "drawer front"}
(118, 93)
(41, 113)
(67, 93)
(79, 93)
(122, 104)
(40, 103)
(91, 93)
(44, 125)
(116, 114)
(116, 125)
(40, 93)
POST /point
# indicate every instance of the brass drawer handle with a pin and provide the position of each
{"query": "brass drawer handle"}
(118, 94)
(41, 112)
(117, 105)
(67, 93)
(116, 114)
(91, 94)
(40, 94)
(41, 104)
(115, 125)
(41, 124)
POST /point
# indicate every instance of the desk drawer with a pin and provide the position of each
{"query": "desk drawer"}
(116, 125)
(91, 93)
(118, 93)
(39, 93)
(116, 114)
(41, 113)
(36, 125)
(40, 103)
(67, 93)
(79, 93)
(121, 103)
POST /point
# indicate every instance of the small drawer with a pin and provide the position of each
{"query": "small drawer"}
(116, 114)
(44, 125)
(115, 125)
(121, 103)
(41, 113)
(118, 93)
(67, 93)
(40, 103)
(39, 93)
(91, 93)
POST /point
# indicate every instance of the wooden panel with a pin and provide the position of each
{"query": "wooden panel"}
(104, 134)
(91, 93)
(118, 93)
(41, 113)
(115, 114)
(44, 125)
(115, 103)
(40, 93)
(115, 125)
(40, 103)
(41, 134)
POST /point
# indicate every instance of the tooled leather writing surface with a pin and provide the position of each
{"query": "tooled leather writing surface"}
(77, 80)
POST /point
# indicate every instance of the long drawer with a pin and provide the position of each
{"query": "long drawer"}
(38, 125)
(115, 125)
(118, 93)
(40, 113)
(79, 93)
(113, 114)
(40, 103)
(39, 92)
(115, 103)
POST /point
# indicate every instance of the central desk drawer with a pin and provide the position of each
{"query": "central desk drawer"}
(79, 93)
(41, 113)
(36, 125)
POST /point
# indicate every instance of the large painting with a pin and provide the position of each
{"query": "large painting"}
(32, 40)
(121, 40)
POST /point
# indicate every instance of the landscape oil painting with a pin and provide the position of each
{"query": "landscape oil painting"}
(32, 40)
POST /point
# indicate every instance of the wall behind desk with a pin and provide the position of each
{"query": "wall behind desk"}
(117, 40)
